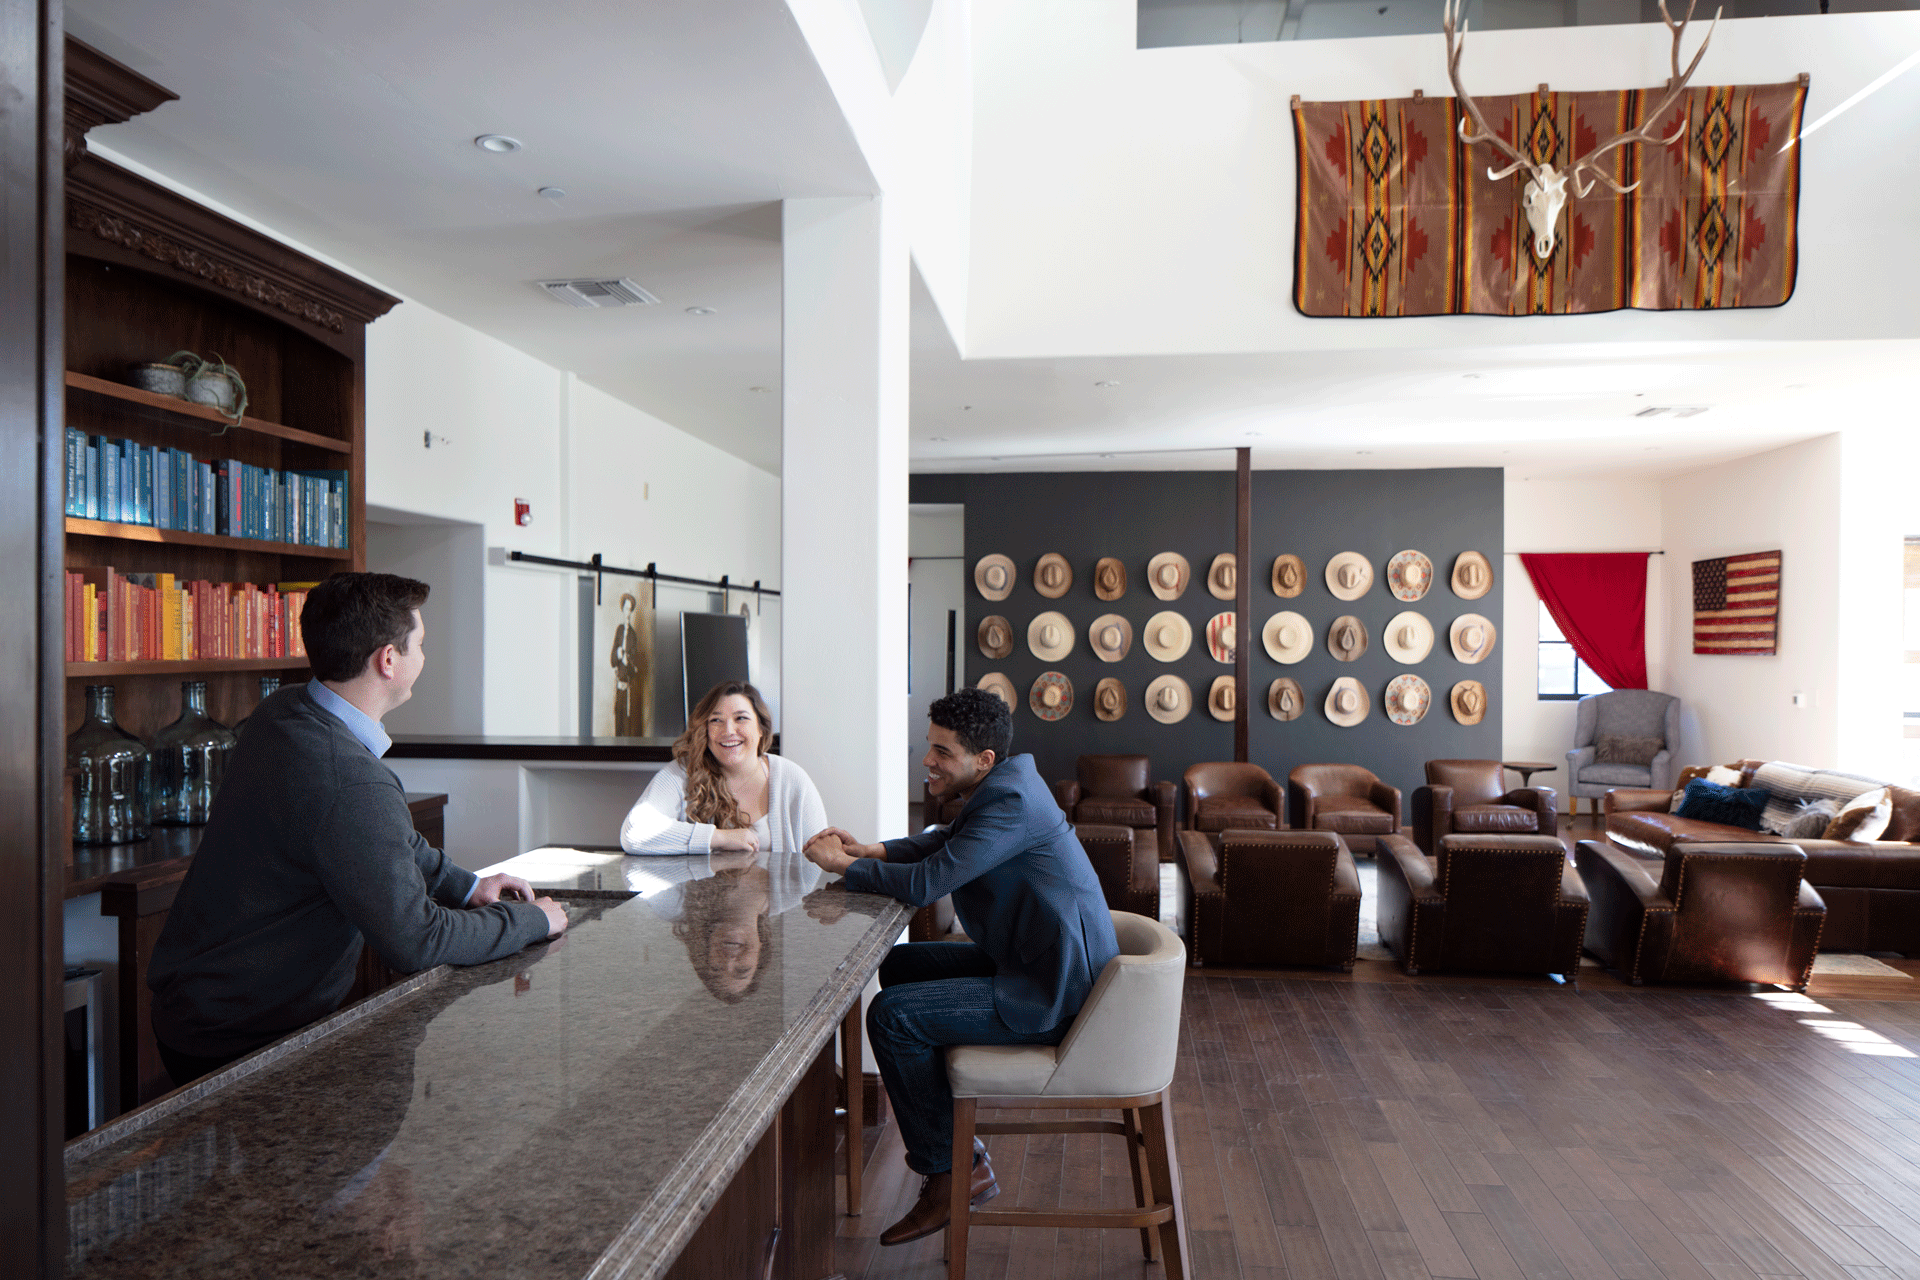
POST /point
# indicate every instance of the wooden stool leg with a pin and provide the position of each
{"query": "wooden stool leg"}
(852, 1053)
(1164, 1162)
(962, 1180)
(1137, 1165)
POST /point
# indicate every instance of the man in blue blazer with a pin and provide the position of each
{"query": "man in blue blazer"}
(1027, 897)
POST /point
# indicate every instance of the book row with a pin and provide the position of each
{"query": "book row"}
(130, 483)
(139, 617)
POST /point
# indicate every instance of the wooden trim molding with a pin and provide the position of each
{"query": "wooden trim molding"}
(101, 90)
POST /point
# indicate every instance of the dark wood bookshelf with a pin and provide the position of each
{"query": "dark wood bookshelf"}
(175, 410)
(181, 667)
(182, 538)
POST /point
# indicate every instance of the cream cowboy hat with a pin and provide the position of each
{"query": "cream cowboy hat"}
(996, 683)
(1347, 638)
(1471, 636)
(1347, 702)
(1223, 575)
(1109, 579)
(1221, 635)
(1407, 699)
(1051, 696)
(1349, 576)
(1408, 637)
(1289, 576)
(1285, 701)
(1287, 636)
(994, 576)
(1221, 698)
(1409, 574)
(1169, 699)
(1472, 575)
(995, 636)
(1167, 575)
(1469, 699)
(1167, 636)
(1109, 699)
(1050, 636)
(1111, 637)
(1052, 576)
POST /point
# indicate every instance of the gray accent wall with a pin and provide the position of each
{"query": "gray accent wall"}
(1313, 514)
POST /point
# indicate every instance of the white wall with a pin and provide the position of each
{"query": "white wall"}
(1141, 201)
(936, 542)
(1583, 515)
(1739, 707)
(451, 558)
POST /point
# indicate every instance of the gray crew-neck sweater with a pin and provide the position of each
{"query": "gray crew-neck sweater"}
(309, 850)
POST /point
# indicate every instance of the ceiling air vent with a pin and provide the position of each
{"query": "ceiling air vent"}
(599, 293)
(1673, 410)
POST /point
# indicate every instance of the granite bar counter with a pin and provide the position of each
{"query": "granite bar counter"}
(574, 1110)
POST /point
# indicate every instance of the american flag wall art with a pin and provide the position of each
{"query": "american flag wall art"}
(1736, 603)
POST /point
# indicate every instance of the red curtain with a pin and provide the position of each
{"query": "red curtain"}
(1600, 602)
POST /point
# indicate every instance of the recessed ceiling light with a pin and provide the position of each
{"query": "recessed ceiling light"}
(549, 193)
(699, 311)
(1107, 382)
(966, 406)
(1469, 375)
(1363, 452)
(498, 143)
(938, 439)
(1253, 433)
(765, 391)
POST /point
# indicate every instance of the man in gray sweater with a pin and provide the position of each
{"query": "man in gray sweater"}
(310, 850)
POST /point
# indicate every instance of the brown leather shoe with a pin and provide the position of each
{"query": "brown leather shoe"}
(931, 1211)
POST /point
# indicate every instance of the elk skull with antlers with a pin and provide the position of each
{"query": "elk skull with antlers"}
(1545, 194)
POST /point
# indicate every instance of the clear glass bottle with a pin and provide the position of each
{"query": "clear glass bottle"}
(189, 759)
(269, 685)
(114, 789)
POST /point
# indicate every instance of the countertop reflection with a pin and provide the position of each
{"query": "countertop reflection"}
(519, 1118)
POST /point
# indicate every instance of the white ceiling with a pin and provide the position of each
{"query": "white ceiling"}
(676, 126)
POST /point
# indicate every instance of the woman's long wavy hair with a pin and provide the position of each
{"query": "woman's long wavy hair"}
(708, 799)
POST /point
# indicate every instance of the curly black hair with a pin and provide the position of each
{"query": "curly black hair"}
(978, 718)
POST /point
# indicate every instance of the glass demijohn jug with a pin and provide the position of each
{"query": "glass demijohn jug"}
(269, 685)
(189, 759)
(115, 785)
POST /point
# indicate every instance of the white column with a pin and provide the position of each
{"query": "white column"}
(843, 520)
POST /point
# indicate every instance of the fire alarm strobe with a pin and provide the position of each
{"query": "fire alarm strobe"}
(522, 511)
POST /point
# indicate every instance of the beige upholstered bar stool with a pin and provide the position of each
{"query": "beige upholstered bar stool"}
(1119, 1055)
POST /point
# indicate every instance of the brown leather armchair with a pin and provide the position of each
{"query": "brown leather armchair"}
(1343, 798)
(1706, 913)
(1468, 797)
(1223, 796)
(1272, 897)
(1129, 874)
(1502, 904)
(938, 812)
(1117, 791)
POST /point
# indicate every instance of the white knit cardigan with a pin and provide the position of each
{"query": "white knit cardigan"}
(657, 822)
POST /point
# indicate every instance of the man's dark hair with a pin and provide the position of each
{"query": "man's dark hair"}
(349, 617)
(978, 718)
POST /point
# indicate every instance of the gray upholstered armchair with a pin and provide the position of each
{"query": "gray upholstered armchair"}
(1623, 713)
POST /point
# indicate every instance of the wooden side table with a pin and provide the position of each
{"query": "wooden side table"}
(1527, 768)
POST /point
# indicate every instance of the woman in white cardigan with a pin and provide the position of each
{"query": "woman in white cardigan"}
(723, 791)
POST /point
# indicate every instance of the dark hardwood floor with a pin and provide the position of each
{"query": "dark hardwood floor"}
(1375, 1127)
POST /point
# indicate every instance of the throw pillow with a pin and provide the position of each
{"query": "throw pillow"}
(1789, 784)
(1810, 820)
(1620, 749)
(1728, 806)
(1864, 818)
(1720, 775)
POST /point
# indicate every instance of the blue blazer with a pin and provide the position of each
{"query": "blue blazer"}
(1022, 888)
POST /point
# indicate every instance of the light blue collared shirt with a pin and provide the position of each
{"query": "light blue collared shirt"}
(361, 725)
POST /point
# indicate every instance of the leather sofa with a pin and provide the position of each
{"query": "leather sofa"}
(1705, 913)
(1272, 897)
(1344, 798)
(1871, 888)
(1469, 797)
(1499, 904)
(1222, 796)
(1119, 791)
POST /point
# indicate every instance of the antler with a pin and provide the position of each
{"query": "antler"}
(1454, 49)
(1585, 170)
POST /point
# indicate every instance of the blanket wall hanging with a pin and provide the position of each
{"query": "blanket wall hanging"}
(1397, 216)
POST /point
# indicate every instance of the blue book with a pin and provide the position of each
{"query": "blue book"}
(331, 495)
(71, 471)
(94, 506)
(110, 480)
(128, 499)
(162, 488)
(144, 459)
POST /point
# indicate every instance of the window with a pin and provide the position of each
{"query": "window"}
(1564, 675)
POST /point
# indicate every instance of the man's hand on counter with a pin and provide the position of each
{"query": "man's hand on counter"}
(556, 916)
(835, 850)
(492, 889)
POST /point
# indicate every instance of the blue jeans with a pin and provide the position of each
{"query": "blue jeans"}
(934, 994)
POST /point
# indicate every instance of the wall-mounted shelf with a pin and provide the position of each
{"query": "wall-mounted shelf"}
(180, 537)
(178, 411)
(199, 666)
